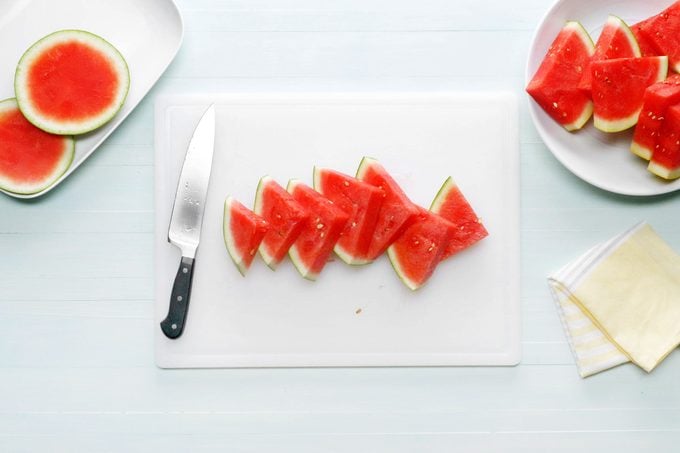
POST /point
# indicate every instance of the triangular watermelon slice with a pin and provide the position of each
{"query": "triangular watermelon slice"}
(450, 203)
(615, 41)
(243, 232)
(647, 47)
(396, 213)
(320, 231)
(361, 201)
(619, 87)
(665, 161)
(555, 85)
(663, 33)
(657, 99)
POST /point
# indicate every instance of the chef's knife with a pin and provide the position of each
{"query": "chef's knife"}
(187, 218)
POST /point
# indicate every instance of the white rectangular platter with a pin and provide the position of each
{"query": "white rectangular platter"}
(148, 33)
(467, 314)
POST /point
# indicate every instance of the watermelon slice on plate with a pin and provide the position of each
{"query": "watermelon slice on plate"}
(656, 101)
(555, 85)
(285, 216)
(615, 41)
(665, 161)
(419, 249)
(619, 87)
(647, 47)
(663, 33)
(243, 232)
(71, 82)
(450, 204)
(320, 231)
(361, 201)
(396, 213)
(30, 159)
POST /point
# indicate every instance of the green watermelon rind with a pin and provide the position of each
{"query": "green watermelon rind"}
(293, 254)
(442, 193)
(590, 45)
(74, 127)
(266, 257)
(363, 165)
(622, 25)
(640, 151)
(62, 167)
(394, 261)
(236, 258)
(346, 256)
(626, 123)
(663, 172)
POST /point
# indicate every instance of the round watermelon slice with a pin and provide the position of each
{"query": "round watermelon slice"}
(554, 87)
(451, 204)
(71, 82)
(243, 233)
(619, 87)
(615, 41)
(320, 232)
(361, 201)
(30, 159)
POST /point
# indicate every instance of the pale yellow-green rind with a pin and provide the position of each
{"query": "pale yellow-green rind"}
(60, 127)
(583, 35)
(64, 163)
(229, 238)
(623, 26)
(442, 194)
(365, 163)
(581, 121)
(394, 261)
(662, 171)
(640, 151)
(266, 257)
(630, 121)
(293, 252)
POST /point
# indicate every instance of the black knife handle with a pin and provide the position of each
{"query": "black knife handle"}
(173, 324)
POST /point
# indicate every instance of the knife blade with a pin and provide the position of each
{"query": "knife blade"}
(187, 218)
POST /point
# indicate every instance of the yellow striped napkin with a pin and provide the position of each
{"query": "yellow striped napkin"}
(620, 302)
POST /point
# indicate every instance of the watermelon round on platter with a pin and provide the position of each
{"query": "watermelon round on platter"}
(451, 204)
(71, 82)
(657, 99)
(665, 161)
(615, 41)
(285, 217)
(361, 201)
(30, 159)
(396, 213)
(311, 250)
(618, 89)
(554, 87)
(243, 232)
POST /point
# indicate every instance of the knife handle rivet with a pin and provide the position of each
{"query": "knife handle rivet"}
(185, 270)
(174, 326)
(179, 298)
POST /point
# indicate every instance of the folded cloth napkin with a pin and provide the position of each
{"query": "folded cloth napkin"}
(620, 302)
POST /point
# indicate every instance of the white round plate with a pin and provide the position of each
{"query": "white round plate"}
(601, 159)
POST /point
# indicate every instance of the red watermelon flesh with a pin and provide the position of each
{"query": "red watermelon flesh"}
(419, 249)
(647, 47)
(657, 99)
(361, 201)
(450, 203)
(663, 32)
(665, 161)
(243, 232)
(555, 85)
(285, 216)
(320, 231)
(619, 87)
(397, 211)
(30, 159)
(615, 41)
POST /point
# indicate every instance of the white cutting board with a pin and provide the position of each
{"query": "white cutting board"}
(467, 314)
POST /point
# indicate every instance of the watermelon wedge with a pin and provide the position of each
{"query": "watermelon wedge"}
(320, 232)
(30, 159)
(615, 41)
(663, 33)
(396, 213)
(450, 204)
(656, 101)
(619, 88)
(665, 161)
(285, 216)
(419, 249)
(358, 199)
(554, 87)
(647, 47)
(243, 232)
(71, 82)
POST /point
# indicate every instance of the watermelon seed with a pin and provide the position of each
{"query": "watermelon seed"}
(354, 224)
(345, 183)
(322, 234)
(319, 226)
(431, 248)
(554, 104)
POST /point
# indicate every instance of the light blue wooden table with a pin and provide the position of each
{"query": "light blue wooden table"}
(76, 361)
